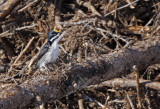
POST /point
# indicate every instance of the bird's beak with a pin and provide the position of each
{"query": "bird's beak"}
(62, 35)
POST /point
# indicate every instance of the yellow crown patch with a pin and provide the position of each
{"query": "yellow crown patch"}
(56, 31)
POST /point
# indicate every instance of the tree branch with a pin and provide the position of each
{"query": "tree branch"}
(7, 7)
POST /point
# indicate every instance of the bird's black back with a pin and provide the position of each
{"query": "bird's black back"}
(44, 49)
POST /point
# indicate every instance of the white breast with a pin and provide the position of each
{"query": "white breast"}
(53, 53)
(50, 57)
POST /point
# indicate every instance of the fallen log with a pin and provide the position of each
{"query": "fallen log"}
(94, 70)
(123, 82)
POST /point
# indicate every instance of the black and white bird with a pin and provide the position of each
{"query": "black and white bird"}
(50, 51)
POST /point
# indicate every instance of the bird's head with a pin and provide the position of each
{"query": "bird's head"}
(53, 35)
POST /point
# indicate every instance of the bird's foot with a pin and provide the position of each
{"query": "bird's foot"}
(44, 69)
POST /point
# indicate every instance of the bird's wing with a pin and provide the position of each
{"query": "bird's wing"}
(43, 50)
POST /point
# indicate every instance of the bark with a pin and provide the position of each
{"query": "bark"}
(52, 86)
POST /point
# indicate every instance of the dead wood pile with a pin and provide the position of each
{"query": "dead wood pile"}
(104, 40)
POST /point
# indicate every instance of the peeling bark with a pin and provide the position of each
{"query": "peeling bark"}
(53, 86)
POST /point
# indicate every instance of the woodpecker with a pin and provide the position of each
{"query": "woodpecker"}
(50, 51)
